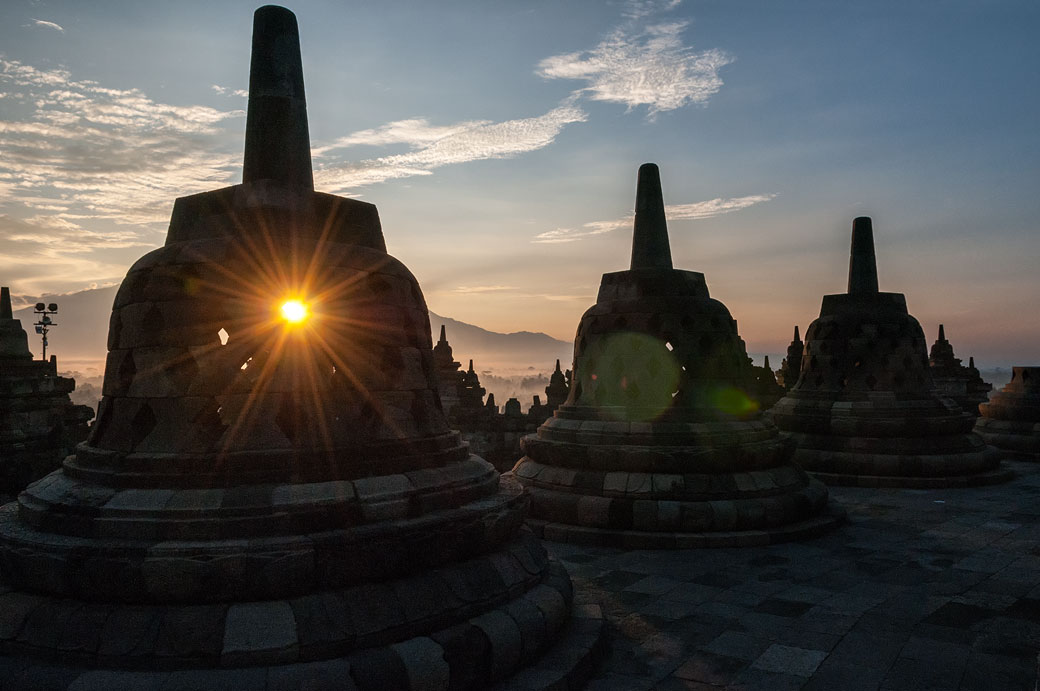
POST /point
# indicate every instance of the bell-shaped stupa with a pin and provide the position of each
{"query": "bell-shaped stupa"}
(963, 384)
(272, 497)
(865, 411)
(658, 443)
(1011, 419)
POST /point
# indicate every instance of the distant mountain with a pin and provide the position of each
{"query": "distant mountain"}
(490, 349)
(81, 335)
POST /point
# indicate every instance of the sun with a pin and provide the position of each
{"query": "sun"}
(294, 311)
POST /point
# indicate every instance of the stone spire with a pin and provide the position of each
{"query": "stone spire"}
(796, 337)
(14, 343)
(277, 139)
(444, 336)
(862, 263)
(650, 249)
(942, 333)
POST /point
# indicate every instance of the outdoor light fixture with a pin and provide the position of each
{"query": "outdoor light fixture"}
(44, 323)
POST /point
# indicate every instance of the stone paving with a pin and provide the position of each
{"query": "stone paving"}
(920, 589)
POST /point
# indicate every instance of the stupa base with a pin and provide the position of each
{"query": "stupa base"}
(533, 641)
(644, 539)
(1018, 439)
(909, 471)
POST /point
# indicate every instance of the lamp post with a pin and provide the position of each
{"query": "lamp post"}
(44, 323)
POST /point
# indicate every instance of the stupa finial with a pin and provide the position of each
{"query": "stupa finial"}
(796, 333)
(444, 336)
(766, 363)
(5, 303)
(942, 333)
(650, 248)
(557, 364)
(277, 139)
(862, 263)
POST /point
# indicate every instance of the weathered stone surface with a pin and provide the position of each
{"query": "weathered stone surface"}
(267, 506)
(1011, 418)
(661, 434)
(864, 410)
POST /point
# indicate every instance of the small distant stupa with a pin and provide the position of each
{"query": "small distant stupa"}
(864, 411)
(39, 425)
(449, 374)
(791, 367)
(1011, 419)
(953, 380)
(658, 443)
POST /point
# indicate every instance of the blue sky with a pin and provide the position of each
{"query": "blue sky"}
(500, 141)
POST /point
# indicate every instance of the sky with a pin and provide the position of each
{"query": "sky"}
(500, 141)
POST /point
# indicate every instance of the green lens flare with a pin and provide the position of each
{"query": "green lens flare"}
(633, 376)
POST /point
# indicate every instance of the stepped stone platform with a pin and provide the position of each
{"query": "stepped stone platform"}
(1011, 419)
(39, 424)
(275, 504)
(865, 410)
(659, 443)
(935, 590)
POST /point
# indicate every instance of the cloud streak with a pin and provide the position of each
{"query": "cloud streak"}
(103, 153)
(436, 146)
(674, 212)
(44, 24)
(642, 64)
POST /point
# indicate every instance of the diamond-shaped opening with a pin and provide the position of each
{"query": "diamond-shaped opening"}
(127, 371)
(288, 418)
(142, 425)
(669, 346)
(223, 336)
(153, 320)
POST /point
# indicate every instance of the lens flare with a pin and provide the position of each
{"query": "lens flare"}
(294, 311)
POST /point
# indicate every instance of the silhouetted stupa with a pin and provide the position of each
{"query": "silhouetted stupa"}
(1011, 419)
(39, 425)
(864, 411)
(791, 367)
(289, 510)
(449, 374)
(953, 380)
(658, 444)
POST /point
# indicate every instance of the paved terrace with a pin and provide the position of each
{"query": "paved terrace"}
(921, 589)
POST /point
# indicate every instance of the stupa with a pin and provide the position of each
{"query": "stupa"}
(658, 443)
(558, 389)
(449, 374)
(953, 380)
(791, 367)
(865, 411)
(287, 510)
(1011, 419)
(39, 425)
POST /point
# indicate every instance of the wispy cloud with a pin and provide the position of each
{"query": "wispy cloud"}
(482, 289)
(225, 91)
(104, 153)
(643, 63)
(675, 212)
(44, 24)
(436, 146)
